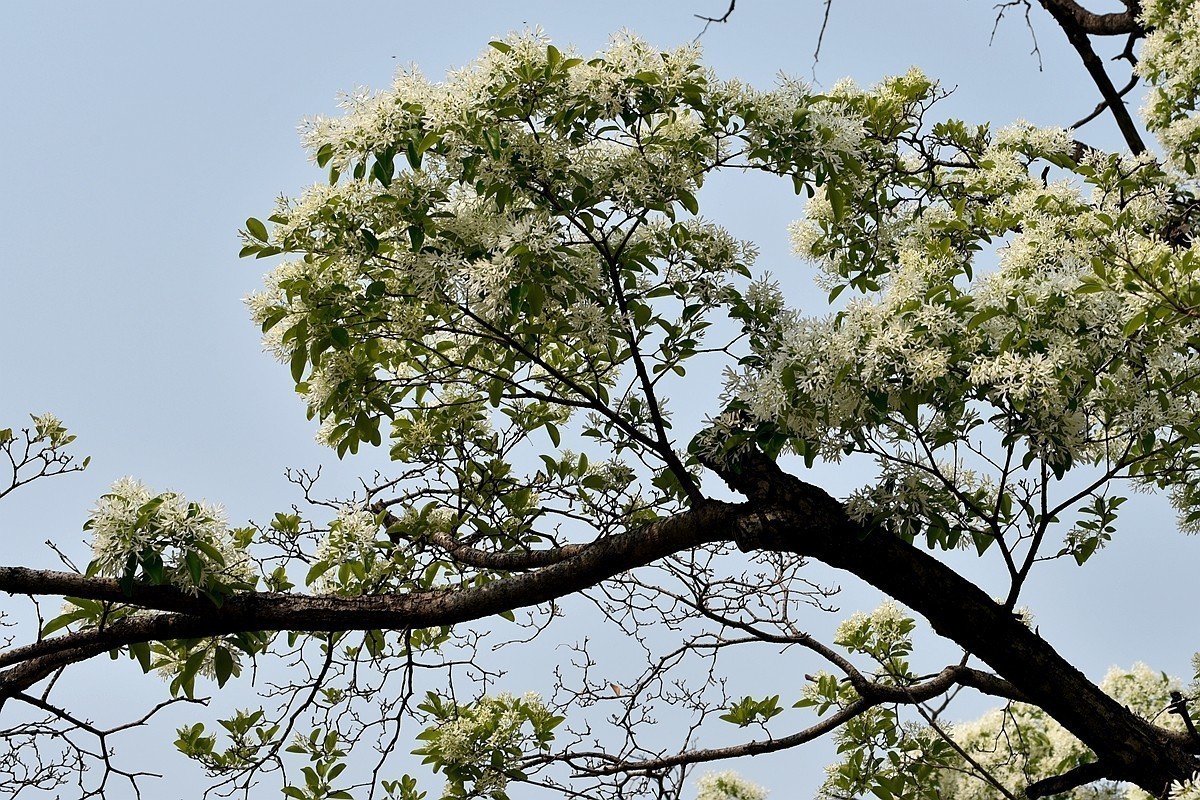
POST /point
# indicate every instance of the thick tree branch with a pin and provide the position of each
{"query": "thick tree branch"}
(1113, 24)
(800, 518)
(190, 617)
(1067, 14)
(783, 514)
(1071, 779)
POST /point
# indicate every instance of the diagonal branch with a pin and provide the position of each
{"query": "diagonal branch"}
(1112, 24)
(800, 518)
(830, 723)
(871, 695)
(1068, 15)
(1071, 779)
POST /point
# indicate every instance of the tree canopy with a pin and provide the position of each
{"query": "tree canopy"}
(504, 279)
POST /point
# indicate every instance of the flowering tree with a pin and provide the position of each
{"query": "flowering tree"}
(504, 278)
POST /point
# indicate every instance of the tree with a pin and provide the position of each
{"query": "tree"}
(506, 276)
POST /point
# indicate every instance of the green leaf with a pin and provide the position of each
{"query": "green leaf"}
(317, 570)
(688, 201)
(195, 566)
(298, 362)
(837, 203)
(257, 229)
(324, 154)
(416, 235)
(222, 665)
(63, 620)
(1134, 324)
(211, 553)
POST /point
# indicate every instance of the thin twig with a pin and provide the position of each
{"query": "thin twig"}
(710, 20)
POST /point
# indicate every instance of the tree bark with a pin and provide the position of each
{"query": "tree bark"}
(797, 517)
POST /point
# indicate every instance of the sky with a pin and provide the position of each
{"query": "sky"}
(139, 136)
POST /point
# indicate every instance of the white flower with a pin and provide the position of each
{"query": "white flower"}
(1025, 137)
(49, 428)
(727, 785)
(1170, 62)
(1189, 790)
(133, 522)
(352, 538)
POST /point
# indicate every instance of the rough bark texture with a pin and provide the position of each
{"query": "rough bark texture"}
(1113, 24)
(801, 518)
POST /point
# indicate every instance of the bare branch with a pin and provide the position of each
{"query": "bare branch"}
(1103, 104)
(710, 20)
(821, 35)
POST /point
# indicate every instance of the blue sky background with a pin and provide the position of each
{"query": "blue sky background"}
(138, 136)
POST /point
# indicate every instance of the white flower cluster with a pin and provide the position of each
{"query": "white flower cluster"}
(131, 521)
(1025, 137)
(1170, 61)
(1022, 741)
(486, 732)
(1189, 790)
(838, 128)
(886, 627)
(50, 429)
(906, 492)
(839, 132)
(352, 538)
(644, 127)
(1025, 338)
(604, 82)
(1011, 745)
(727, 785)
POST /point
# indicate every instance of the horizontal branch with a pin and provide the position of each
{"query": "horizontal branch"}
(954, 675)
(756, 748)
(185, 617)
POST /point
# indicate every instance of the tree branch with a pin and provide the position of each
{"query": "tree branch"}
(1068, 15)
(1071, 779)
(871, 695)
(747, 749)
(803, 519)
(1113, 24)
(189, 617)
(1103, 104)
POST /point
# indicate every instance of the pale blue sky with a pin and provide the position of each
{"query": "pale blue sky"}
(138, 136)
